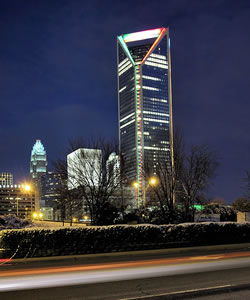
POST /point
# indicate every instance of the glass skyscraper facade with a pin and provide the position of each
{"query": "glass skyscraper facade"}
(145, 102)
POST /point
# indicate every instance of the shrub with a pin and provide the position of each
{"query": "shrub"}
(13, 222)
(33, 242)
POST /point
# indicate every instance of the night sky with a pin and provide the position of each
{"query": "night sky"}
(58, 77)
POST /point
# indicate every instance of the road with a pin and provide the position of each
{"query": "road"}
(168, 274)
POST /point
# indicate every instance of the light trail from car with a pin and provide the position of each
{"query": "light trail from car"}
(107, 272)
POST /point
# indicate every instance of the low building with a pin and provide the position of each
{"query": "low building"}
(6, 178)
(206, 217)
(47, 213)
(19, 200)
(243, 216)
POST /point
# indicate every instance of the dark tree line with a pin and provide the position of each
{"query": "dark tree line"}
(184, 183)
(91, 184)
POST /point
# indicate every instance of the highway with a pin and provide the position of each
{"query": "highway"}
(130, 275)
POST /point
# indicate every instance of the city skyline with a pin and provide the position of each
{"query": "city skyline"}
(58, 77)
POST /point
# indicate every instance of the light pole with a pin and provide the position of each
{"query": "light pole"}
(26, 189)
(151, 182)
(135, 185)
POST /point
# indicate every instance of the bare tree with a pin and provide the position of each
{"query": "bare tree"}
(68, 201)
(199, 167)
(241, 204)
(183, 182)
(168, 173)
(247, 186)
(92, 179)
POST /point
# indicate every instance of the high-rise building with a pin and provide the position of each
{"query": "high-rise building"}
(38, 164)
(84, 167)
(145, 102)
(51, 184)
(113, 169)
(6, 179)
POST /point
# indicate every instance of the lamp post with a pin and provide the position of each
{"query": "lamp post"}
(151, 182)
(135, 185)
(26, 189)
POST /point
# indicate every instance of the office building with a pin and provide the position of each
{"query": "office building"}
(38, 164)
(145, 102)
(113, 169)
(20, 200)
(84, 167)
(6, 179)
(50, 192)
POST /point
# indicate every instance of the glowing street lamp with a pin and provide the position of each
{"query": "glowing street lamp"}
(151, 182)
(37, 215)
(26, 188)
(135, 184)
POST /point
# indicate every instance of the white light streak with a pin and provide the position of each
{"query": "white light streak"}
(128, 116)
(124, 125)
(150, 88)
(156, 120)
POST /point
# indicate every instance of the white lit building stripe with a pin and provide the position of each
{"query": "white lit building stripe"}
(122, 62)
(122, 89)
(159, 100)
(128, 116)
(155, 113)
(126, 124)
(151, 78)
(158, 61)
(155, 120)
(156, 148)
(124, 66)
(158, 56)
(125, 69)
(156, 65)
(150, 88)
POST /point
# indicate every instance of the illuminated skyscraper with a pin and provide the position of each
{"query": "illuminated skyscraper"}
(145, 101)
(38, 164)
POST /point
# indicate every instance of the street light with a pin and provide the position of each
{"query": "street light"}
(26, 188)
(151, 182)
(37, 215)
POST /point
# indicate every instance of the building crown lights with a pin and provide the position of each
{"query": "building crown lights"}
(38, 148)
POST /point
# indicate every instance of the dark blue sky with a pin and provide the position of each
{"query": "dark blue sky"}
(58, 76)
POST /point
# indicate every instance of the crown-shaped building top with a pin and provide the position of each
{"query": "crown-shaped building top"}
(38, 148)
(139, 45)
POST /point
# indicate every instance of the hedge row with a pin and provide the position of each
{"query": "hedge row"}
(33, 242)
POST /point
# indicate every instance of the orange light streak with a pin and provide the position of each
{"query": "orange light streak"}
(130, 264)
